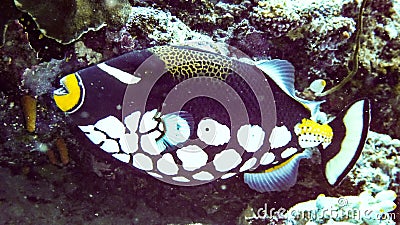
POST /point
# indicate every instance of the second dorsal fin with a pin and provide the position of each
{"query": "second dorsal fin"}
(282, 73)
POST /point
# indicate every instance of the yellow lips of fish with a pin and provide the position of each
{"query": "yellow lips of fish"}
(68, 98)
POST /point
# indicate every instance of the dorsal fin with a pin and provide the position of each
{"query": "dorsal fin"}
(282, 73)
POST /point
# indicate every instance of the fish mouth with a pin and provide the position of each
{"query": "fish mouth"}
(63, 90)
(69, 97)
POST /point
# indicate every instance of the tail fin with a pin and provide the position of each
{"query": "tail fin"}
(350, 130)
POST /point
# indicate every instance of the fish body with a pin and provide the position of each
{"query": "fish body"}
(188, 116)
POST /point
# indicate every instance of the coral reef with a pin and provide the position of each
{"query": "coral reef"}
(345, 210)
(207, 15)
(378, 168)
(8, 13)
(379, 60)
(86, 55)
(16, 55)
(362, 209)
(76, 17)
(291, 18)
(169, 29)
(319, 26)
(38, 79)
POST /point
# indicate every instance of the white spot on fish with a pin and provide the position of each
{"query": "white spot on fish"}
(288, 152)
(280, 137)
(142, 161)
(213, 133)
(203, 175)
(250, 137)
(111, 126)
(248, 164)
(267, 158)
(110, 146)
(94, 136)
(149, 144)
(227, 160)
(131, 121)
(228, 175)
(181, 179)
(155, 174)
(148, 123)
(192, 157)
(122, 157)
(167, 165)
(129, 143)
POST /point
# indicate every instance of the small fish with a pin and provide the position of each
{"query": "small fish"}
(188, 116)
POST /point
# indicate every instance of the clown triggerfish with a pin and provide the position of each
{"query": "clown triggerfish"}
(189, 115)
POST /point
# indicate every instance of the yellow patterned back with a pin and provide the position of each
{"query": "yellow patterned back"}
(185, 63)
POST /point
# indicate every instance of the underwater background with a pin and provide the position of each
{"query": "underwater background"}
(50, 175)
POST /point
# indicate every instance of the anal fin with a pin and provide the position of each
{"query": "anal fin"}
(278, 178)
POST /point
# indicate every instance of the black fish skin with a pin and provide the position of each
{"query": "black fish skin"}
(104, 93)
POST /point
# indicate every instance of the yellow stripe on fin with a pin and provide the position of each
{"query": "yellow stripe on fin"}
(282, 164)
